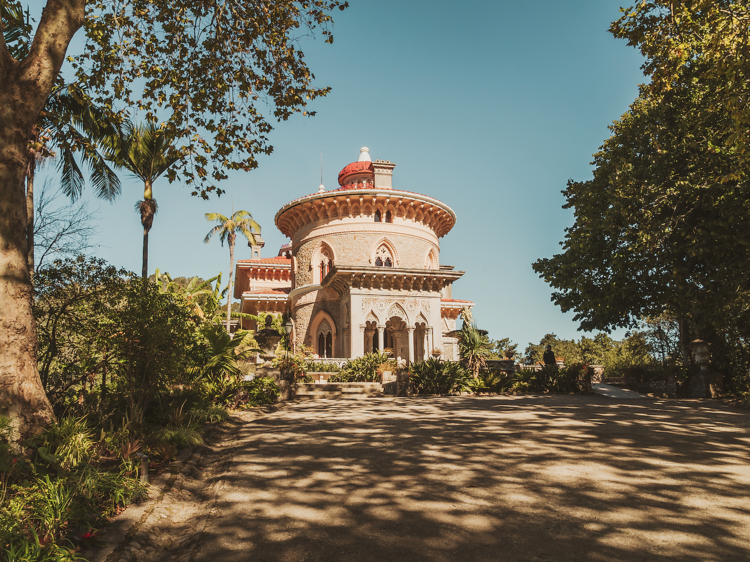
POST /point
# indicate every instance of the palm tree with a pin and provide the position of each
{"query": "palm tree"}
(227, 229)
(145, 151)
(473, 348)
(70, 122)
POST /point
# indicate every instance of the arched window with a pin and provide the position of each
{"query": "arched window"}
(326, 262)
(377, 216)
(383, 257)
(388, 217)
(325, 340)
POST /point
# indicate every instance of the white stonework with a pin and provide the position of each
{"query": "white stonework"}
(362, 270)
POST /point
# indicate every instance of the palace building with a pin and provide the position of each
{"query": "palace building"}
(362, 270)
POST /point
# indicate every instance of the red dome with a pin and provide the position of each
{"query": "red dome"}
(355, 168)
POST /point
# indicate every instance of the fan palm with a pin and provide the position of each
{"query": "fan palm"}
(473, 348)
(146, 152)
(227, 229)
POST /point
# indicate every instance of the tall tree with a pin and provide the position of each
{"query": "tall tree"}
(714, 35)
(227, 229)
(145, 151)
(660, 228)
(209, 66)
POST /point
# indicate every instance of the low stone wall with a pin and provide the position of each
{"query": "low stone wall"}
(667, 388)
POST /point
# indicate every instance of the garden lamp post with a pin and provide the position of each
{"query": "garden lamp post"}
(288, 327)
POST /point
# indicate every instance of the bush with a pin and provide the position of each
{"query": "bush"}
(179, 436)
(318, 367)
(361, 369)
(434, 376)
(68, 443)
(261, 391)
(492, 381)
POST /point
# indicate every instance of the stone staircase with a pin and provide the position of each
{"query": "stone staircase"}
(311, 391)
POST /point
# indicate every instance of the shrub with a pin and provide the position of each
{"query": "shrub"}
(179, 436)
(68, 443)
(261, 391)
(492, 381)
(321, 367)
(434, 376)
(362, 369)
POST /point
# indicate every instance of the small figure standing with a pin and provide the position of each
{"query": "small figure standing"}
(549, 356)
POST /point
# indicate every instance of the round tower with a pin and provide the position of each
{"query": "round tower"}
(361, 252)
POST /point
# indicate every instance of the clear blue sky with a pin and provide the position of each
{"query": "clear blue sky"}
(489, 106)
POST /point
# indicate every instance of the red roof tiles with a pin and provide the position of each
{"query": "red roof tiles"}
(276, 261)
(281, 291)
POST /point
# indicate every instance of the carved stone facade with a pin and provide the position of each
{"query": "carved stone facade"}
(362, 271)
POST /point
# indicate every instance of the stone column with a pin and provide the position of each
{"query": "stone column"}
(430, 341)
(381, 330)
(358, 341)
(411, 343)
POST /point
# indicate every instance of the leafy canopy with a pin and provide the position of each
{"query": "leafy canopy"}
(210, 68)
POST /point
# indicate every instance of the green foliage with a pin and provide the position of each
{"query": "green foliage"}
(501, 349)
(41, 509)
(362, 369)
(68, 443)
(492, 381)
(473, 347)
(252, 55)
(179, 436)
(662, 228)
(321, 367)
(434, 376)
(291, 364)
(568, 349)
(224, 352)
(573, 379)
(261, 391)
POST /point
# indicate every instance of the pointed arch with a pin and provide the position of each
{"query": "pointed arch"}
(431, 260)
(323, 334)
(391, 249)
(398, 311)
(322, 261)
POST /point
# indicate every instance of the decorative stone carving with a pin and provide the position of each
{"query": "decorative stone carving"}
(397, 311)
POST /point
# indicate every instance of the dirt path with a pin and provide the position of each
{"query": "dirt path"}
(552, 478)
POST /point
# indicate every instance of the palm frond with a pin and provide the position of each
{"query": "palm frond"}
(16, 29)
(105, 181)
(71, 177)
(211, 233)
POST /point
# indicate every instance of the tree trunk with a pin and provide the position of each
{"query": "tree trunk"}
(144, 267)
(147, 208)
(30, 213)
(21, 391)
(232, 237)
(24, 87)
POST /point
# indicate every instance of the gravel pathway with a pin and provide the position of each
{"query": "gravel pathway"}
(520, 478)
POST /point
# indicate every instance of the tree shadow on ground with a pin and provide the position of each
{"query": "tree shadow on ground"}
(493, 478)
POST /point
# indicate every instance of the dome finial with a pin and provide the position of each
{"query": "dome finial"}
(364, 155)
